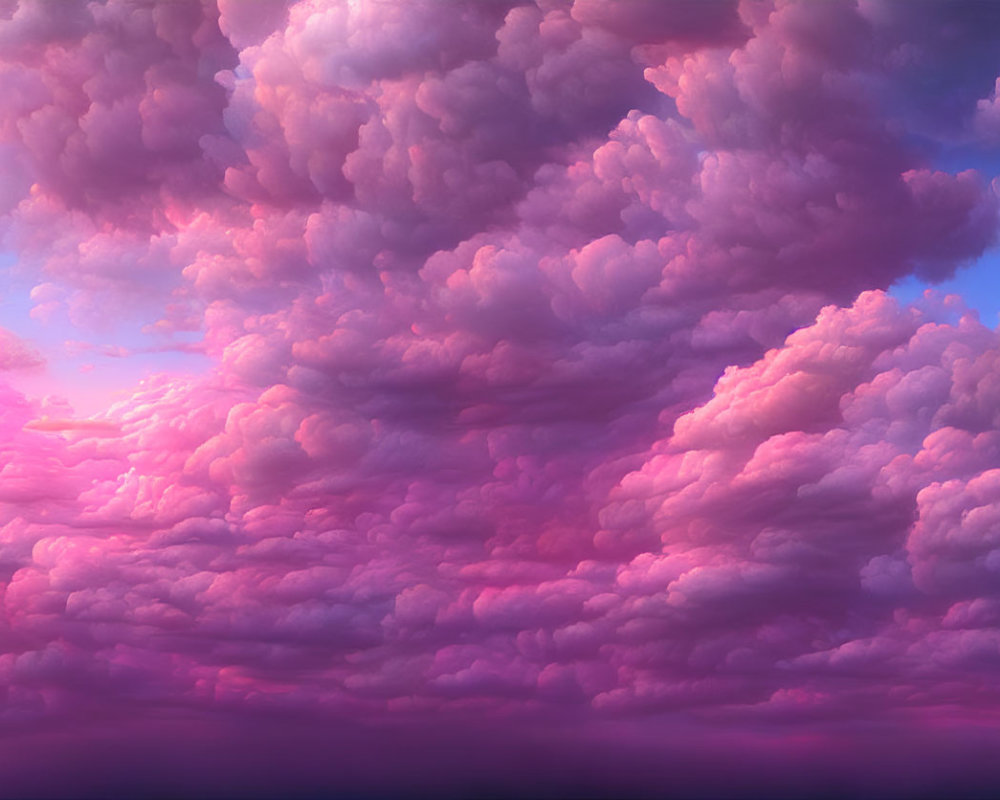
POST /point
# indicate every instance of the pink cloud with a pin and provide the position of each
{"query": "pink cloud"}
(15, 353)
(553, 375)
(92, 426)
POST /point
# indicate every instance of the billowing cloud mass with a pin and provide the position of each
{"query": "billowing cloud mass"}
(553, 378)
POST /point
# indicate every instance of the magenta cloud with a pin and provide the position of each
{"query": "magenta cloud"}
(553, 372)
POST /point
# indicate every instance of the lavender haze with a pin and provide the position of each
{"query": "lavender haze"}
(523, 409)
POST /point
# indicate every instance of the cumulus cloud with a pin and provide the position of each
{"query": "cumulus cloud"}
(553, 371)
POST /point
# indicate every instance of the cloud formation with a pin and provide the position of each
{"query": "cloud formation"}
(554, 372)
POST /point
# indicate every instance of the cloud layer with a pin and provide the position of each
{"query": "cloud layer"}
(554, 374)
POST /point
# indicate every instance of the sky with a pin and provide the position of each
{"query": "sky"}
(499, 399)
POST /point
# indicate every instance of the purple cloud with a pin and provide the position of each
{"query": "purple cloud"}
(554, 386)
